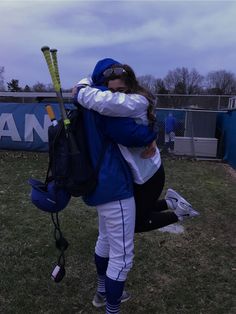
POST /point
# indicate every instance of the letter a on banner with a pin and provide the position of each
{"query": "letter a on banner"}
(8, 127)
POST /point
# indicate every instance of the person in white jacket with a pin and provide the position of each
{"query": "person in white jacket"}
(126, 98)
(115, 92)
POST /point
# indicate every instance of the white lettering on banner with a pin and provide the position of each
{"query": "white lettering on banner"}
(31, 124)
(8, 127)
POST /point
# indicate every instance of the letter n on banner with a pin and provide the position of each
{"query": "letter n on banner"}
(32, 124)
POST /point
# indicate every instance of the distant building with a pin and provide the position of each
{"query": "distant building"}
(232, 103)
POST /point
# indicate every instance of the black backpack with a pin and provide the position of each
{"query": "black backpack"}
(70, 164)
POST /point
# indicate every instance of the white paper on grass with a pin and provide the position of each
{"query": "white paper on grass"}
(173, 228)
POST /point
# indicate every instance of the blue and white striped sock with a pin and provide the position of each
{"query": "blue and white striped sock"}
(101, 285)
(112, 309)
(114, 291)
(101, 265)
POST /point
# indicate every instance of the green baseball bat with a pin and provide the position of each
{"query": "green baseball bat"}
(54, 72)
(55, 64)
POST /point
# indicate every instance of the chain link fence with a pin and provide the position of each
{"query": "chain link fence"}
(177, 101)
(205, 102)
(189, 132)
(194, 131)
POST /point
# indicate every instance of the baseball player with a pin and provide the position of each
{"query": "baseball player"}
(113, 199)
(126, 97)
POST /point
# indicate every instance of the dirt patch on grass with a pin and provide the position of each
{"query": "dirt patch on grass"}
(230, 171)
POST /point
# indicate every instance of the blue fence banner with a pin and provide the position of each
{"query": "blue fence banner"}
(226, 123)
(25, 126)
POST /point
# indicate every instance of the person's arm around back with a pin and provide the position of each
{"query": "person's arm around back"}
(112, 104)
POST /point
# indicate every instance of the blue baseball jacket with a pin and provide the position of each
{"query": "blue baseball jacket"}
(115, 180)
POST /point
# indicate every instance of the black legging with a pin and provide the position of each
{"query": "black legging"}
(151, 213)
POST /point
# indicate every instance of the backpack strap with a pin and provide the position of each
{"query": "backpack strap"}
(59, 128)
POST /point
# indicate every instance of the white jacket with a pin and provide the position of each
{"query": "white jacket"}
(124, 105)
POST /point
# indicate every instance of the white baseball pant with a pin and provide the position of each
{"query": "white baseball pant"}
(116, 236)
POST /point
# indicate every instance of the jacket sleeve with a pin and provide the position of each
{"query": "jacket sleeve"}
(112, 104)
(127, 132)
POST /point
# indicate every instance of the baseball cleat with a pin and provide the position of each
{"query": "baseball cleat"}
(176, 198)
(99, 300)
(182, 208)
(183, 211)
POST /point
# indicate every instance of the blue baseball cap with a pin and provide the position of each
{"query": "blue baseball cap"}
(102, 65)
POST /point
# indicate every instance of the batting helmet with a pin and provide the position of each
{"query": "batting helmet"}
(47, 197)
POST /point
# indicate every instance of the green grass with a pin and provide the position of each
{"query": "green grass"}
(188, 273)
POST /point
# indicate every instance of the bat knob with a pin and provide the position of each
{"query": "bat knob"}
(44, 48)
(53, 50)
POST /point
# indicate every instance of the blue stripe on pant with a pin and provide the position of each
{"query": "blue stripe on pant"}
(116, 236)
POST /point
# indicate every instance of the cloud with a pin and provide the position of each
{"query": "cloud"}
(153, 36)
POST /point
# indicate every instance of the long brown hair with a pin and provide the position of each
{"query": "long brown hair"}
(130, 80)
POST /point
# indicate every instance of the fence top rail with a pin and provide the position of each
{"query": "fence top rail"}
(69, 94)
(33, 94)
(194, 95)
(192, 109)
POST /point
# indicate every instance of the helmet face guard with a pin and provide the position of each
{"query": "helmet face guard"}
(47, 197)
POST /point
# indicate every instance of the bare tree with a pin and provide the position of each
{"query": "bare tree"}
(148, 82)
(2, 78)
(160, 87)
(39, 87)
(183, 81)
(221, 82)
(50, 88)
(13, 86)
(27, 89)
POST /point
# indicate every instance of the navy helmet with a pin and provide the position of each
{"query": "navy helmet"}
(47, 197)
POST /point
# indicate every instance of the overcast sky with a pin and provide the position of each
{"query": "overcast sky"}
(151, 36)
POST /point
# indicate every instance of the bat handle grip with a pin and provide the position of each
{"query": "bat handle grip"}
(51, 115)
